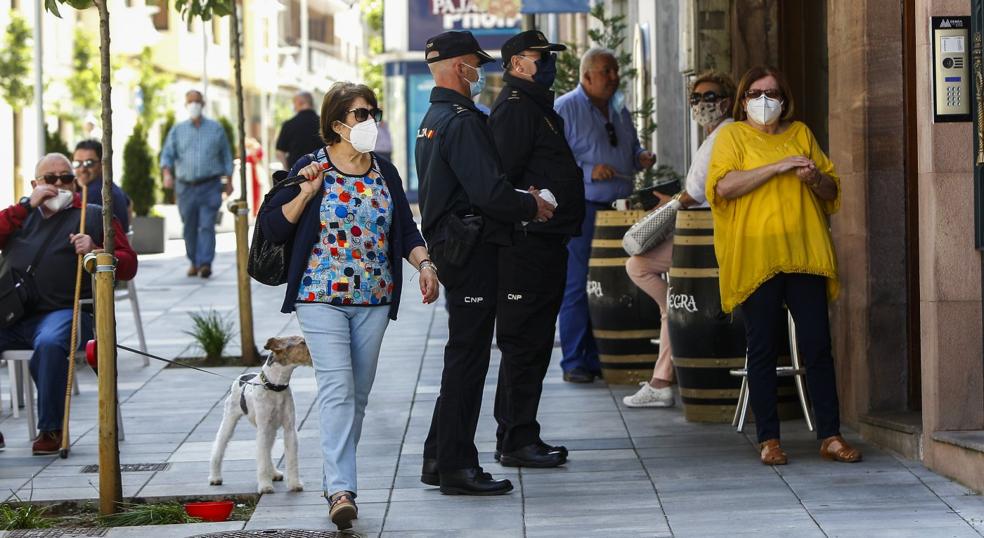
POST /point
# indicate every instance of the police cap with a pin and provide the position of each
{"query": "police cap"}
(528, 40)
(454, 44)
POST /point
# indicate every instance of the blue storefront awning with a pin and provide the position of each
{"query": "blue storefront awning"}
(555, 6)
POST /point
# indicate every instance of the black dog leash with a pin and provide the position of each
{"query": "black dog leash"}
(176, 363)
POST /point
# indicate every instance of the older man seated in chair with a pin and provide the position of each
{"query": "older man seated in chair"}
(44, 226)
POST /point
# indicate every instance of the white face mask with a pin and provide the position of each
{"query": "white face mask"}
(60, 201)
(194, 110)
(363, 136)
(764, 111)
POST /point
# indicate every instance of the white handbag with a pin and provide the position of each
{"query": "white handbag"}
(652, 230)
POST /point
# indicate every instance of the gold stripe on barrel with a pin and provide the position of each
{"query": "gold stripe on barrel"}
(608, 262)
(684, 272)
(618, 218)
(606, 243)
(709, 394)
(693, 239)
(709, 413)
(643, 333)
(640, 358)
(708, 363)
(692, 220)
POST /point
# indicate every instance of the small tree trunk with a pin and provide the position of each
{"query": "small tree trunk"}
(18, 177)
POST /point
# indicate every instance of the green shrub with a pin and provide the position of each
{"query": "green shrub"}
(138, 172)
(211, 332)
(167, 195)
(136, 515)
(53, 143)
(23, 517)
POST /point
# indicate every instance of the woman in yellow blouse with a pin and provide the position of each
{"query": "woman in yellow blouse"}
(771, 190)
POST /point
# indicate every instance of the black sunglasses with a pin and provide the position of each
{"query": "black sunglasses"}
(362, 114)
(771, 93)
(88, 163)
(707, 97)
(612, 137)
(51, 179)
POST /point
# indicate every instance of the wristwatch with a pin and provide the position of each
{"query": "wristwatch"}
(25, 201)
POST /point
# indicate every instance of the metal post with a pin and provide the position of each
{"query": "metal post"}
(240, 209)
(204, 62)
(39, 78)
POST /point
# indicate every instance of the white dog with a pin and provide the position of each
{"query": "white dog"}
(266, 399)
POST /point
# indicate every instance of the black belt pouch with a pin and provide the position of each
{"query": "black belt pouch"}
(462, 234)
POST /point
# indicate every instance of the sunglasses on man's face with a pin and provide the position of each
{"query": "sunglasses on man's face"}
(51, 179)
(707, 97)
(87, 164)
(612, 137)
(771, 93)
(362, 114)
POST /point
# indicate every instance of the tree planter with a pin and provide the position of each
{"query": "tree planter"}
(149, 235)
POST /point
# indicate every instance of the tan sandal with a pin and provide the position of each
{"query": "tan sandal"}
(342, 509)
(835, 448)
(772, 453)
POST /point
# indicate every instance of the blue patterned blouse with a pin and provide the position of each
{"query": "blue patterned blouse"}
(349, 264)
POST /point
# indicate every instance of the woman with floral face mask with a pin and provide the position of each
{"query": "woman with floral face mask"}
(711, 96)
(771, 190)
(350, 228)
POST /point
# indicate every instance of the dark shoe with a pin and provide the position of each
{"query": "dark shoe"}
(47, 443)
(429, 474)
(562, 450)
(473, 482)
(533, 455)
(192, 271)
(2, 444)
(342, 509)
(578, 375)
(205, 271)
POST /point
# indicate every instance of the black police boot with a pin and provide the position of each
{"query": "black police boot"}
(561, 449)
(579, 375)
(429, 474)
(533, 455)
(473, 481)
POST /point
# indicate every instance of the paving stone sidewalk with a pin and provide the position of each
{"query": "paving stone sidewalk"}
(631, 472)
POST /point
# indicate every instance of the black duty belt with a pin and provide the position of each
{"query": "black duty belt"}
(199, 181)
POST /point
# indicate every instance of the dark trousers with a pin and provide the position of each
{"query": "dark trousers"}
(198, 204)
(49, 335)
(470, 292)
(806, 298)
(531, 287)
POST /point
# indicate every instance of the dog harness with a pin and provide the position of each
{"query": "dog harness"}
(244, 380)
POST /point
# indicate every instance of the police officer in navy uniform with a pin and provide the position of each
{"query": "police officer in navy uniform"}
(529, 137)
(468, 210)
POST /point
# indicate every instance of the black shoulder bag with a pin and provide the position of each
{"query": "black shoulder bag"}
(268, 261)
(18, 292)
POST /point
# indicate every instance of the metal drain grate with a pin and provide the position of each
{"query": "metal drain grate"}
(132, 467)
(281, 533)
(57, 533)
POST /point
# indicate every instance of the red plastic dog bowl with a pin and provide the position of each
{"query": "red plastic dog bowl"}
(210, 511)
(91, 355)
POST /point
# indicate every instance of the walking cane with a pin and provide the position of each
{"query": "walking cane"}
(74, 341)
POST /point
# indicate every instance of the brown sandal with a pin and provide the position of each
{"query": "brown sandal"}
(835, 448)
(772, 453)
(342, 509)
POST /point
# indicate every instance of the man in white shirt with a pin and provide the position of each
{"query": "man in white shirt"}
(710, 105)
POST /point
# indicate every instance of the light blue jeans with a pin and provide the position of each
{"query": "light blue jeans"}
(344, 342)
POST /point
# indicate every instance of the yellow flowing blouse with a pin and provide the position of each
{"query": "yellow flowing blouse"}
(781, 226)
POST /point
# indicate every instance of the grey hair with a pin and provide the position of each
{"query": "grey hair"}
(593, 53)
(51, 156)
(306, 96)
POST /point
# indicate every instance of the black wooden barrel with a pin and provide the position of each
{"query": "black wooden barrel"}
(707, 343)
(624, 320)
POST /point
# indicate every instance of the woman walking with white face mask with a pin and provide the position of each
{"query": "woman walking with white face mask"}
(350, 225)
(771, 190)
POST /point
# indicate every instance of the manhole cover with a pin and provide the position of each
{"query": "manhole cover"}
(57, 533)
(131, 467)
(280, 533)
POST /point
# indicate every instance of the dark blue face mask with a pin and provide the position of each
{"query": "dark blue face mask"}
(546, 70)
